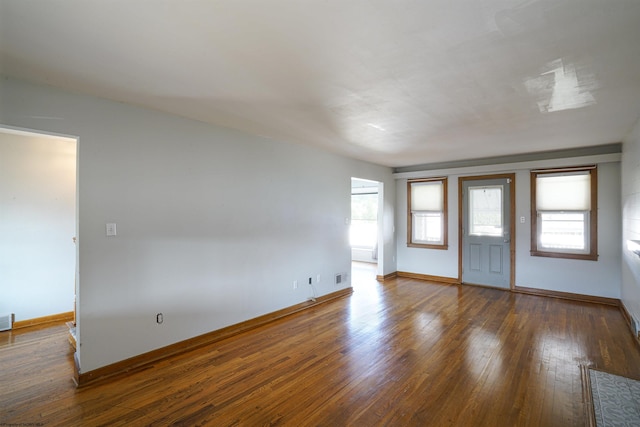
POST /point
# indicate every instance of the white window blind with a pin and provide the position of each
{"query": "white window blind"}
(427, 196)
(563, 192)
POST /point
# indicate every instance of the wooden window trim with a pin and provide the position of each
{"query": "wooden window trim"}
(445, 216)
(593, 215)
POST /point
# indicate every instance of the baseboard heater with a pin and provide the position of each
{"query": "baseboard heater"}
(6, 322)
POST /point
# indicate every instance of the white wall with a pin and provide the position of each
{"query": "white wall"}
(37, 224)
(213, 225)
(601, 278)
(631, 221)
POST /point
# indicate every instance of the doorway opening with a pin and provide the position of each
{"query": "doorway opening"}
(38, 186)
(365, 229)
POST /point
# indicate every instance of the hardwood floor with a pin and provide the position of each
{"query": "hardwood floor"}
(402, 353)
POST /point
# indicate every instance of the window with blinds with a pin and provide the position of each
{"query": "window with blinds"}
(564, 222)
(427, 213)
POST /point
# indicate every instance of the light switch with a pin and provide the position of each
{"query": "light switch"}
(521, 220)
(111, 229)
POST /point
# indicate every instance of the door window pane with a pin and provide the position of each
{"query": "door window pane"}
(485, 211)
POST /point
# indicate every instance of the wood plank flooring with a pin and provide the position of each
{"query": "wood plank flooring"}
(402, 353)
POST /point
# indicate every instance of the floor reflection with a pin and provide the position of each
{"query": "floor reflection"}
(367, 289)
(366, 320)
(483, 356)
(363, 277)
(366, 308)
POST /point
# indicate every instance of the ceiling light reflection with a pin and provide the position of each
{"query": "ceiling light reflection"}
(375, 126)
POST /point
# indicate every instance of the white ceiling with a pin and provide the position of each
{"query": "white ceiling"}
(392, 82)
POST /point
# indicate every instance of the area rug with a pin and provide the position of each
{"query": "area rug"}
(614, 400)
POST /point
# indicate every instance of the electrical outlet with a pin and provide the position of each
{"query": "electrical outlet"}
(295, 284)
(310, 281)
(159, 318)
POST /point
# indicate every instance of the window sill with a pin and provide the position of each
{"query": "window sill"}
(427, 246)
(585, 257)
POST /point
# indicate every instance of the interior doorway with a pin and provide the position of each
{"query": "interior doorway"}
(365, 228)
(38, 182)
(363, 233)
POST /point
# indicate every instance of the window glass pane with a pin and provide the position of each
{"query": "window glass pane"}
(363, 232)
(364, 207)
(485, 211)
(563, 192)
(559, 230)
(427, 227)
(426, 196)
